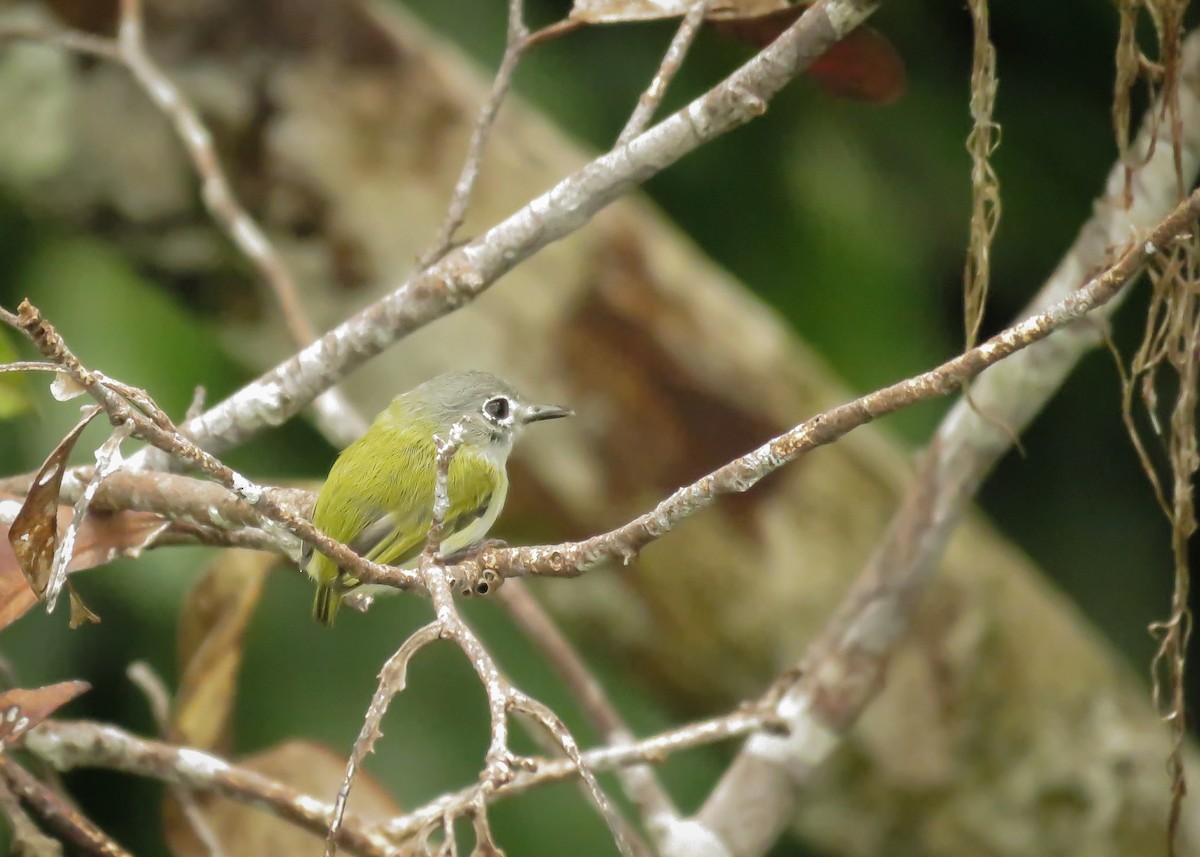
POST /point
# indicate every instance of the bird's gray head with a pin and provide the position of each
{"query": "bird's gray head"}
(491, 412)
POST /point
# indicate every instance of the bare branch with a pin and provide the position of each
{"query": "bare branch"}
(514, 48)
(573, 558)
(152, 424)
(336, 417)
(74, 744)
(466, 272)
(27, 839)
(844, 667)
(392, 680)
(56, 813)
(159, 698)
(655, 749)
(639, 781)
(650, 100)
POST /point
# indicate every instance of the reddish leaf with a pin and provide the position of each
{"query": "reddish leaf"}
(21, 710)
(34, 531)
(102, 537)
(864, 66)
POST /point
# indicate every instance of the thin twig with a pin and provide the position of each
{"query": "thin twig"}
(639, 781)
(500, 764)
(56, 813)
(553, 31)
(337, 418)
(71, 40)
(654, 749)
(215, 189)
(650, 100)
(159, 699)
(514, 48)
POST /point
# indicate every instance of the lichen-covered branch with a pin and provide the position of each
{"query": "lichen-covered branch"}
(844, 668)
(73, 744)
(741, 474)
(466, 272)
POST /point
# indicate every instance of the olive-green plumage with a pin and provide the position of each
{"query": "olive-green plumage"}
(378, 498)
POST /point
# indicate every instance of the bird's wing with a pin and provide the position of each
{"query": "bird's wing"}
(397, 540)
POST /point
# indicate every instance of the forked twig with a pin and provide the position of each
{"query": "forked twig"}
(501, 764)
(639, 781)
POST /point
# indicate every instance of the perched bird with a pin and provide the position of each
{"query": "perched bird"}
(378, 498)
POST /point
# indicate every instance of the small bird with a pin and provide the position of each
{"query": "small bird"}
(378, 498)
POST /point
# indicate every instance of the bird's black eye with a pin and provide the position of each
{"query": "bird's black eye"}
(496, 408)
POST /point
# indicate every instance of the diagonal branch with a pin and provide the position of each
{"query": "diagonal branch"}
(468, 271)
(640, 783)
(845, 665)
(56, 813)
(741, 474)
(73, 744)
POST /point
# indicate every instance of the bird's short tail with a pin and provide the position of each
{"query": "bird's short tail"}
(326, 603)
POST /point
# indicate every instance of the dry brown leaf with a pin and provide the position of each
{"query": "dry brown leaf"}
(245, 831)
(81, 614)
(21, 709)
(212, 623)
(34, 531)
(102, 537)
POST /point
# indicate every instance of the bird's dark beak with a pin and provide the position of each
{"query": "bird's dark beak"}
(537, 413)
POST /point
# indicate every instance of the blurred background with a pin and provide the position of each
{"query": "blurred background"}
(849, 220)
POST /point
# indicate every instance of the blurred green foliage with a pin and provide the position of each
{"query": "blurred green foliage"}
(850, 220)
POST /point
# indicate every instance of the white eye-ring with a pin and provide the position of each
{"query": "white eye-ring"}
(498, 409)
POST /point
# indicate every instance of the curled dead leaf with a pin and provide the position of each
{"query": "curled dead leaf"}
(33, 533)
(81, 614)
(102, 537)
